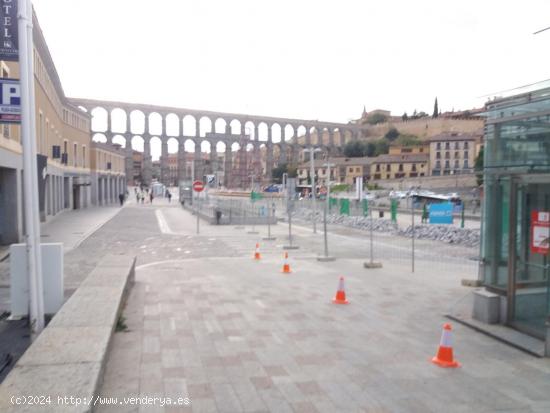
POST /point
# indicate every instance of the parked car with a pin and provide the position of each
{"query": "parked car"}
(272, 188)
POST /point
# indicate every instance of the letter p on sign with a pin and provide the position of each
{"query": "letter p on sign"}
(11, 94)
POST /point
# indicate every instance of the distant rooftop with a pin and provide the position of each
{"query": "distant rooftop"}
(455, 136)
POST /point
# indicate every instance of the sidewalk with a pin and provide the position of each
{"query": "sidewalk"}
(207, 322)
(70, 228)
(74, 226)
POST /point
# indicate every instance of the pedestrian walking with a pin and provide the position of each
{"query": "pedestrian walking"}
(151, 196)
(425, 214)
(121, 198)
(168, 195)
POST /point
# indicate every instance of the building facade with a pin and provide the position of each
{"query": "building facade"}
(453, 153)
(399, 166)
(516, 215)
(108, 173)
(342, 171)
(63, 142)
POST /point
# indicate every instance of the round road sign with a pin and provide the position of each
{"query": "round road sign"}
(198, 186)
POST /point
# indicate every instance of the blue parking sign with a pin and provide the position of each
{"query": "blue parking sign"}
(10, 101)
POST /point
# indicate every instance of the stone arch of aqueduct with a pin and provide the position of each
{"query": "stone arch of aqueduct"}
(282, 141)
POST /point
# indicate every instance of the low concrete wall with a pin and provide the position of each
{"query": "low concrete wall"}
(68, 357)
(430, 182)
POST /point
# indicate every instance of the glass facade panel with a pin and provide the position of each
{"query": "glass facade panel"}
(517, 183)
(495, 229)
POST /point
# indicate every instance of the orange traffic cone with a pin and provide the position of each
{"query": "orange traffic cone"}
(286, 266)
(444, 357)
(340, 297)
(257, 255)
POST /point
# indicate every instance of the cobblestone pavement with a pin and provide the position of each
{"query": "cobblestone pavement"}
(232, 334)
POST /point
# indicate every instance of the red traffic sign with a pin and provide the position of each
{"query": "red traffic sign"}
(198, 186)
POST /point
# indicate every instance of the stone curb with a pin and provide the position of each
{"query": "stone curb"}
(68, 358)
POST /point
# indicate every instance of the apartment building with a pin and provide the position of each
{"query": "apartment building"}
(399, 166)
(342, 170)
(453, 153)
(63, 142)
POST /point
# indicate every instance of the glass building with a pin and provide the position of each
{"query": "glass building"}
(515, 225)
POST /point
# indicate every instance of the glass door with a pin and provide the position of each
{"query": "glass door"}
(528, 304)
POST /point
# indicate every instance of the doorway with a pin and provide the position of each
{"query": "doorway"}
(76, 196)
(529, 268)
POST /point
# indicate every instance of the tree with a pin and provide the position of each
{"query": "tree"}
(292, 171)
(478, 167)
(371, 149)
(436, 109)
(354, 149)
(375, 118)
(381, 147)
(392, 134)
(408, 140)
(277, 173)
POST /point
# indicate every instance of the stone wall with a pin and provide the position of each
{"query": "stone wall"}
(430, 182)
(428, 127)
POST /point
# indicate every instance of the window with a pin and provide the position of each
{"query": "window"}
(456, 164)
(456, 145)
(456, 155)
(75, 154)
(465, 154)
(447, 166)
(421, 150)
(447, 156)
(466, 164)
(83, 156)
(377, 167)
(350, 170)
(438, 146)
(388, 167)
(414, 167)
(465, 145)
(6, 130)
(447, 145)
(437, 165)
(438, 155)
(357, 169)
(400, 167)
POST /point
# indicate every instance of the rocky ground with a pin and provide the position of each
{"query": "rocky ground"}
(445, 233)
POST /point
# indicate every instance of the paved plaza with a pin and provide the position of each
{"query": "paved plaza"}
(207, 322)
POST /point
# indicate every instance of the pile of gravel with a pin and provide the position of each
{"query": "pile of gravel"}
(444, 233)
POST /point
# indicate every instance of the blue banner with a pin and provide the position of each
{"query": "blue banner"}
(9, 42)
(441, 213)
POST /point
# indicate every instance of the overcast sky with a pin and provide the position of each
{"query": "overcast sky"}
(296, 58)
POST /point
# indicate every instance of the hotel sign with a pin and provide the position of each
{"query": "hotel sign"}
(9, 44)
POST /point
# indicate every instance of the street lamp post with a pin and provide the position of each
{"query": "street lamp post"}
(327, 201)
(312, 151)
(253, 231)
